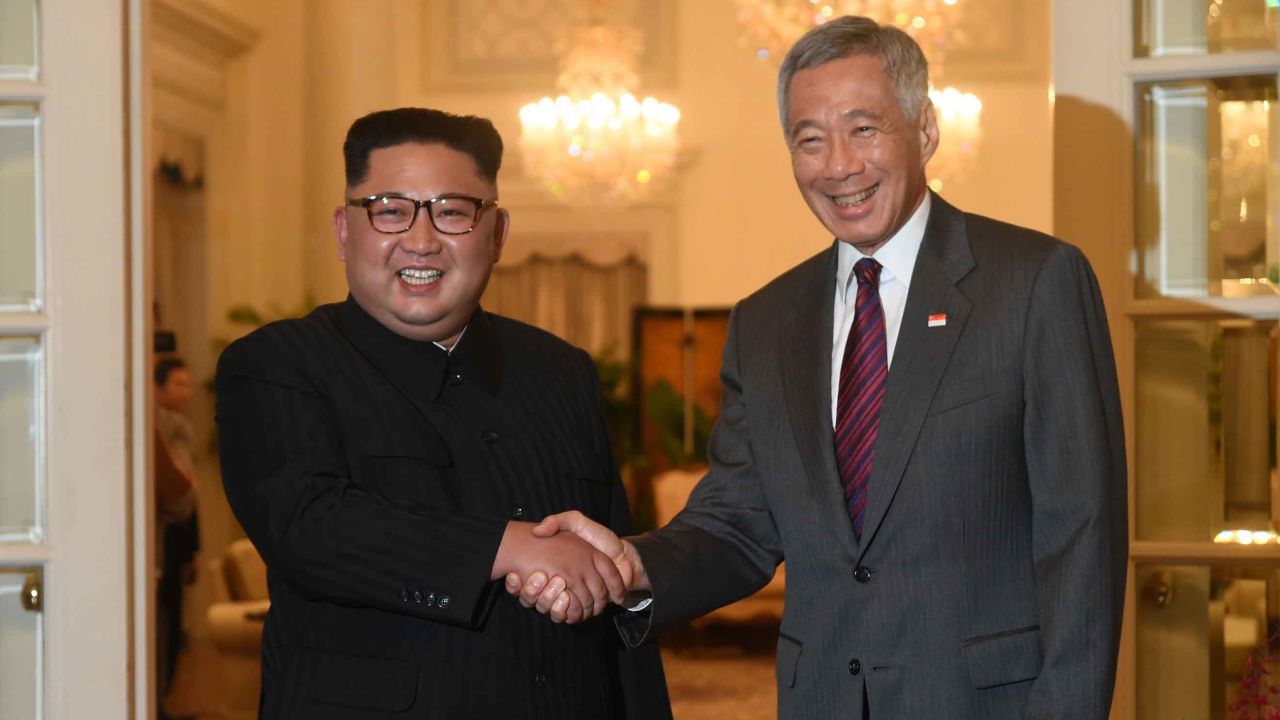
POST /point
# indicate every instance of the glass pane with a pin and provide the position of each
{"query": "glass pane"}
(1205, 430)
(19, 212)
(1195, 27)
(20, 422)
(19, 39)
(1207, 179)
(20, 649)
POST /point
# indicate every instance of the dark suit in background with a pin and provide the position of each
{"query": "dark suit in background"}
(376, 474)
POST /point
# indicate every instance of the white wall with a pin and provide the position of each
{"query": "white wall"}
(731, 221)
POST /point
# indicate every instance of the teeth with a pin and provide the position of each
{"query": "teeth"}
(857, 198)
(414, 276)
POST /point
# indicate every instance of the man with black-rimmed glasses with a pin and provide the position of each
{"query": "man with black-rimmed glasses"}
(386, 455)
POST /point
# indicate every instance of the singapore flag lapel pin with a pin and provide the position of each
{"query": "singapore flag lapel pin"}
(938, 320)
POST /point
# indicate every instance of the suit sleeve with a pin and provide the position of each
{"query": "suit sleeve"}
(1074, 443)
(724, 545)
(319, 530)
(640, 676)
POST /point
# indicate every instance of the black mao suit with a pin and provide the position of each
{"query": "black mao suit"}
(376, 474)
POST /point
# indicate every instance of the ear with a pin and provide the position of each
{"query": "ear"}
(929, 133)
(340, 231)
(501, 224)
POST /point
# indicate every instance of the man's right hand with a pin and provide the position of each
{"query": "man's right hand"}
(586, 576)
(545, 591)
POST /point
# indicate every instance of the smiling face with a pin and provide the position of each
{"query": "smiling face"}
(857, 159)
(421, 284)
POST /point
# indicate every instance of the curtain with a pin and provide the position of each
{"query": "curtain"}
(587, 303)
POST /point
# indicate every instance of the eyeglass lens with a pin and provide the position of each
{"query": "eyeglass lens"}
(451, 215)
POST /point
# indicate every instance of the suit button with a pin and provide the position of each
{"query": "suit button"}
(862, 574)
(540, 680)
(516, 512)
(855, 667)
(489, 437)
(417, 596)
(455, 378)
(443, 602)
(431, 599)
(404, 595)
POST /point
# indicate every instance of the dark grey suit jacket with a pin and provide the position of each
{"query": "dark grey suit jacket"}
(990, 578)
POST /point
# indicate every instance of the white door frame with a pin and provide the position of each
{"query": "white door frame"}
(86, 553)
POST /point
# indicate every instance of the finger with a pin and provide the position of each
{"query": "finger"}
(513, 583)
(560, 608)
(599, 588)
(613, 581)
(533, 588)
(576, 613)
(553, 524)
(585, 595)
(596, 535)
(554, 590)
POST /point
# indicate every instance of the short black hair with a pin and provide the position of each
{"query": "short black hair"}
(165, 367)
(475, 136)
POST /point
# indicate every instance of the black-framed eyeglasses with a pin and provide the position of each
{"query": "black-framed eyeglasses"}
(450, 214)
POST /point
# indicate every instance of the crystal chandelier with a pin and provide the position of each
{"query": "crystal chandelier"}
(772, 26)
(597, 143)
(959, 118)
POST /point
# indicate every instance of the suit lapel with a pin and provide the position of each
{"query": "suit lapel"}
(920, 355)
(806, 345)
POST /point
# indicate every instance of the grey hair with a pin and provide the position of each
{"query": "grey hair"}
(904, 61)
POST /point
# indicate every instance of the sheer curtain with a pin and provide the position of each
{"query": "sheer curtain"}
(586, 303)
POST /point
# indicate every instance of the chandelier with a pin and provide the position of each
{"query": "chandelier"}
(959, 119)
(771, 27)
(597, 143)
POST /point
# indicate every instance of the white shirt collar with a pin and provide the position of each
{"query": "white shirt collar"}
(897, 256)
(449, 350)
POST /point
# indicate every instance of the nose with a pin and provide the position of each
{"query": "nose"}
(421, 238)
(843, 160)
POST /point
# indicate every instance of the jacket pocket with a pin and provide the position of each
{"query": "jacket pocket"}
(420, 474)
(789, 651)
(1005, 657)
(355, 681)
(959, 395)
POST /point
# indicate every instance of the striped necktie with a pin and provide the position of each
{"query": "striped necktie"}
(863, 373)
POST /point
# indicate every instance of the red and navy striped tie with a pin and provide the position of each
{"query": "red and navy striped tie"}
(863, 373)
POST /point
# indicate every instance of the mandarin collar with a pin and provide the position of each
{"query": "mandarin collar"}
(421, 367)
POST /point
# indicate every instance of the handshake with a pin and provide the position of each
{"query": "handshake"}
(568, 567)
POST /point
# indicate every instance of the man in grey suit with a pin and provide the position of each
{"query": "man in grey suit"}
(922, 420)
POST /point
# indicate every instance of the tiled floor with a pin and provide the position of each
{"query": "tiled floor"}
(722, 671)
(711, 688)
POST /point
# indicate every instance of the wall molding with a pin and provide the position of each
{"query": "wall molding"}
(191, 43)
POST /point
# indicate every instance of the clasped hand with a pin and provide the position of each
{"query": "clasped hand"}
(558, 587)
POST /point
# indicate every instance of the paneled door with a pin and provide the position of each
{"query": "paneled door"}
(1166, 171)
(65, 622)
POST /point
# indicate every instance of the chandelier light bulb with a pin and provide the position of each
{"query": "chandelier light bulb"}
(596, 142)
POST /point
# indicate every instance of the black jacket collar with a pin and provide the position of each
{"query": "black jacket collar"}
(420, 367)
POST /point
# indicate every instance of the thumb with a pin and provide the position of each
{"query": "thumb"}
(553, 524)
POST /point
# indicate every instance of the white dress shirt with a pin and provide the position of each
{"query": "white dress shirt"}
(898, 259)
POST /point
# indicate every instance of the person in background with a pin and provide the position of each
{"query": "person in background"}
(179, 531)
